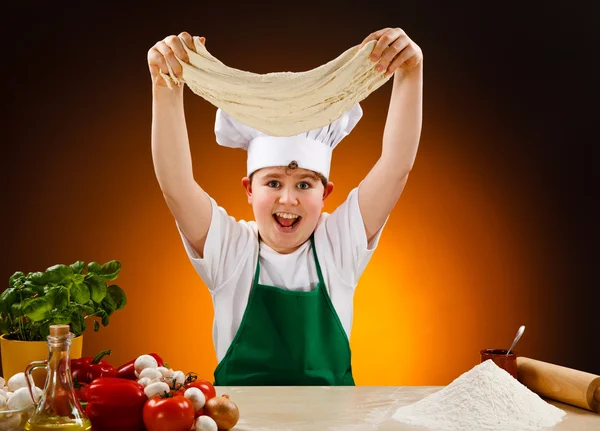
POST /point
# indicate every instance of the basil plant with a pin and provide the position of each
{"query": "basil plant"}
(63, 294)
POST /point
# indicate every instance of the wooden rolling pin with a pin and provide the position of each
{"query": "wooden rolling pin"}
(562, 384)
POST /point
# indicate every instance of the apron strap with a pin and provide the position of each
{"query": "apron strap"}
(319, 273)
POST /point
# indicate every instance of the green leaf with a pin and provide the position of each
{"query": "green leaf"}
(118, 296)
(35, 309)
(7, 299)
(80, 293)
(103, 315)
(77, 322)
(16, 279)
(97, 287)
(60, 317)
(39, 278)
(78, 267)
(96, 326)
(58, 274)
(94, 267)
(26, 292)
(108, 305)
(57, 296)
(36, 288)
(109, 271)
(16, 309)
(88, 308)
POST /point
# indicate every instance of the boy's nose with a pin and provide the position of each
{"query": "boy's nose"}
(288, 197)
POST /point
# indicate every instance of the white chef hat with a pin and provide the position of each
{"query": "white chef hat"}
(310, 150)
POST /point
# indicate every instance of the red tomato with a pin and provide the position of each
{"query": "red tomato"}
(178, 392)
(205, 386)
(168, 414)
(199, 413)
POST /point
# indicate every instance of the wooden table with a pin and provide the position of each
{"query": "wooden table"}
(358, 408)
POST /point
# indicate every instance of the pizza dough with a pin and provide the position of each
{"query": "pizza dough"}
(282, 103)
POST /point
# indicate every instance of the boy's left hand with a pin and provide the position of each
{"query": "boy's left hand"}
(395, 50)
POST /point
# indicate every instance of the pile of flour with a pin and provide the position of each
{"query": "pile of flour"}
(484, 398)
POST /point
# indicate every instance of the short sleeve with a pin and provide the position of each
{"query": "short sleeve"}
(228, 243)
(343, 232)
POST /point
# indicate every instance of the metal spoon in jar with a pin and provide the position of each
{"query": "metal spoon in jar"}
(519, 333)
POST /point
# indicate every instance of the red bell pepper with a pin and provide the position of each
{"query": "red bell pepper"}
(127, 371)
(116, 404)
(81, 391)
(85, 370)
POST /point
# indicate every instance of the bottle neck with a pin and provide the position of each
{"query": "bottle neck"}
(59, 364)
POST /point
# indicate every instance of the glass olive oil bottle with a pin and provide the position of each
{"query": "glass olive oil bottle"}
(58, 408)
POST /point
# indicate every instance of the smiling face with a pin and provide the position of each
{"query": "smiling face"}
(287, 204)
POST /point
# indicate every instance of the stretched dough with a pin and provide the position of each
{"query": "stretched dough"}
(282, 103)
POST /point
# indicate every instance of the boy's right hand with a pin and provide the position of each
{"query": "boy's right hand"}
(165, 51)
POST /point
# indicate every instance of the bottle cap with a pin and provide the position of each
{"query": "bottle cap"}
(59, 330)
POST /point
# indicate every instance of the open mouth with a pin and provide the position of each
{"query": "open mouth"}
(286, 220)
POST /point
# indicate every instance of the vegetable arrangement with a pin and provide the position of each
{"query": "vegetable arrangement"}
(177, 402)
(142, 394)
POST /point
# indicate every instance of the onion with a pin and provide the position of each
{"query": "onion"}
(224, 411)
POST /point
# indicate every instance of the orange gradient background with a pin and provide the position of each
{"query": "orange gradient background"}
(472, 250)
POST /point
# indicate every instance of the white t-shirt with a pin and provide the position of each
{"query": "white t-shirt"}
(229, 264)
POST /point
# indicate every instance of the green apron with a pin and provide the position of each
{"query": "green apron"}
(287, 338)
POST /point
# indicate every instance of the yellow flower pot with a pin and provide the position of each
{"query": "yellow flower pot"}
(16, 355)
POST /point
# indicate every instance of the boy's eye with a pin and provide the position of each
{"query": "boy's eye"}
(304, 185)
(273, 183)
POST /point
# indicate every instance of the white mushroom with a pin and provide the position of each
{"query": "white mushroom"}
(206, 423)
(21, 398)
(144, 361)
(151, 373)
(3, 405)
(196, 396)
(156, 388)
(166, 372)
(3, 394)
(179, 377)
(145, 381)
(2, 382)
(18, 381)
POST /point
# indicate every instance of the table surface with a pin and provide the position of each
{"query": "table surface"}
(350, 408)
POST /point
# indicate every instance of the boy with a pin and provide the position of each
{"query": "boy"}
(283, 285)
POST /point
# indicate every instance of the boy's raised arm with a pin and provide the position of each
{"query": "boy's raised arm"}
(383, 185)
(188, 203)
